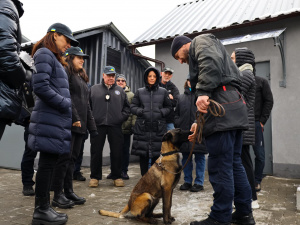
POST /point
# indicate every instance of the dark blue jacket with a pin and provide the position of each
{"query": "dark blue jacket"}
(51, 119)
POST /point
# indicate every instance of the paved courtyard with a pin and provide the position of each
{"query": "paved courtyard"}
(277, 201)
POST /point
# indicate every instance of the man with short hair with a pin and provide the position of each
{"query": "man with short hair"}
(173, 92)
(213, 75)
(110, 109)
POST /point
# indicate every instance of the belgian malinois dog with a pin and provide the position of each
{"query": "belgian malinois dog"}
(158, 182)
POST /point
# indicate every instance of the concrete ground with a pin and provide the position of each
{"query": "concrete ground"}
(277, 201)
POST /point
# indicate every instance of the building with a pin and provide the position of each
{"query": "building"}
(105, 45)
(271, 29)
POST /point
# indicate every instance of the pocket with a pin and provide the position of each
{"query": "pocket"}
(161, 128)
(139, 127)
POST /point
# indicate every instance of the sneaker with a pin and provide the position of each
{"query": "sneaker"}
(196, 188)
(94, 183)
(185, 187)
(242, 219)
(119, 183)
(124, 176)
(28, 190)
(257, 187)
(78, 176)
(208, 221)
(255, 204)
(109, 176)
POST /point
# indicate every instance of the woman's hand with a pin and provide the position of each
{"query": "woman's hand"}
(193, 129)
(76, 124)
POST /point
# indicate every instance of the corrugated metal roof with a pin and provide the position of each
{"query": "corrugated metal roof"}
(205, 15)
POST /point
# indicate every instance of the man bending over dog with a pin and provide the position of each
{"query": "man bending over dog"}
(158, 182)
(213, 75)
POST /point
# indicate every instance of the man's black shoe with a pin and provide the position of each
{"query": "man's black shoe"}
(208, 221)
(28, 190)
(109, 176)
(196, 188)
(79, 177)
(185, 187)
(242, 219)
(124, 176)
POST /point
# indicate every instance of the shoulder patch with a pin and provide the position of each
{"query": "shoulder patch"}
(117, 92)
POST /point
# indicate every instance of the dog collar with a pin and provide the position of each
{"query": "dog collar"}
(169, 153)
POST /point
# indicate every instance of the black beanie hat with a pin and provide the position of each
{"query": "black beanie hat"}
(244, 55)
(178, 42)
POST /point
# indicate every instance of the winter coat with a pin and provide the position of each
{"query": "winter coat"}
(81, 110)
(129, 123)
(173, 90)
(248, 91)
(151, 105)
(110, 107)
(263, 100)
(12, 71)
(214, 74)
(51, 118)
(185, 114)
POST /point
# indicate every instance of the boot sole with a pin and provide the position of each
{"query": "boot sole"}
(56, 204)
(43, 222)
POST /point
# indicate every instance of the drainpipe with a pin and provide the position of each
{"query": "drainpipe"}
(162, 64)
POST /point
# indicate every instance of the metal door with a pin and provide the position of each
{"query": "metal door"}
(263, 70)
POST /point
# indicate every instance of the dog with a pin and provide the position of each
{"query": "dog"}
(158, 182)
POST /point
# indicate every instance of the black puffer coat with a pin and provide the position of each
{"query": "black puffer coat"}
(245, 60)
(81, 110)
(151, 105)
(11, 70)
(185, 115)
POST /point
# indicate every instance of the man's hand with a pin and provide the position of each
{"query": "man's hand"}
(261, 125)
(202, 103)
(171, 96)
(193, 129)
(76, 124)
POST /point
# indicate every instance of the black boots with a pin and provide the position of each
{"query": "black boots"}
(242, 219)
(44, 214)
(69, 193)
(60, 201)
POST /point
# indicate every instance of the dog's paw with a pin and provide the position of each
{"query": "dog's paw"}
(172, 219)
(153, 221)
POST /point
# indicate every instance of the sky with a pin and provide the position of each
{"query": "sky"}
(131, 17)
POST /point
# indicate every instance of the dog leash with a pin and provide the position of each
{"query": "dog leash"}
(217, 110)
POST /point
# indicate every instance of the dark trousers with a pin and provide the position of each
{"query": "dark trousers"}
(27, 163)
(2, 127)
(227, 175)
(115, 140)
(144, 163)
(259, 151)
(78, 161)
(247, 163)
(44, 174)
(63, 173)
(126, 155)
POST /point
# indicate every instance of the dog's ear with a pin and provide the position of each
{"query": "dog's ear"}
(167, 136)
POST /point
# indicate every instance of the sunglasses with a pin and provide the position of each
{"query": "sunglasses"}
(120, 80)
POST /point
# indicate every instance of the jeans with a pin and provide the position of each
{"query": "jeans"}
(188, 170)
(126, 156)
(170, 126)
(259, 152)
(227, 175)
(27, 163)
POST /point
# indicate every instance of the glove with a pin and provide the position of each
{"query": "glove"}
(93, 133)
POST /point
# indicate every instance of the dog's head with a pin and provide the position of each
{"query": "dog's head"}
(177, 136)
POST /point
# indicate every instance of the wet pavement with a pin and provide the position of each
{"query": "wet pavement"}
(277, 201)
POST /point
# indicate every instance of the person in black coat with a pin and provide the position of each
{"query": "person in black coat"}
(245, 60)
(12, 72)
(51, 118)
(82, 119)
(184, 117)
(151, 105)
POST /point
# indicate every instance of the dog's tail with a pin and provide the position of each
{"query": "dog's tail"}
(114, 214)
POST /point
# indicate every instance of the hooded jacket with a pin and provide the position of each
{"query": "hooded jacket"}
(245, 60)
(129, 123)
(214, 74)
(12, 71)
(51, 118)
(152, 106)
(185, 114)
